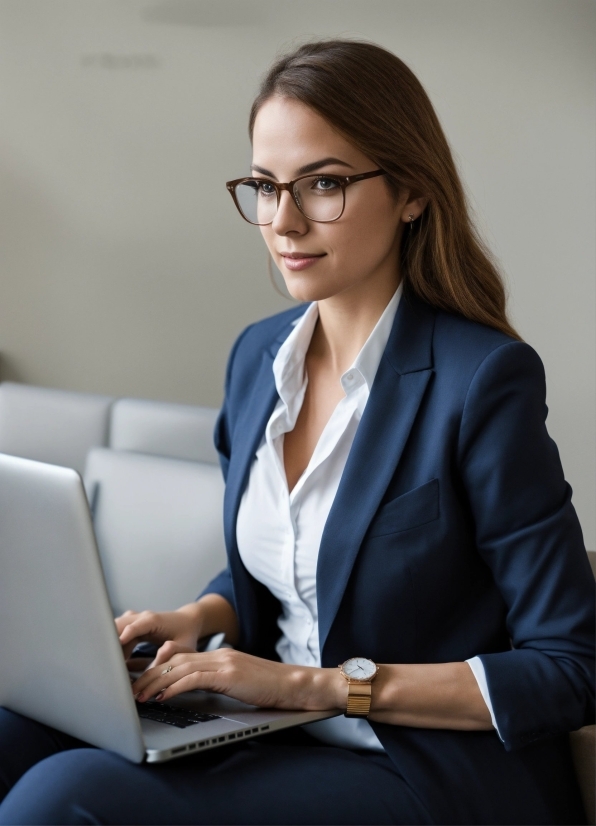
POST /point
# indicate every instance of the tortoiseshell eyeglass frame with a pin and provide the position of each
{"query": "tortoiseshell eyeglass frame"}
(342, 180)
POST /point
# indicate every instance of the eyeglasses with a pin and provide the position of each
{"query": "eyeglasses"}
(320, 198)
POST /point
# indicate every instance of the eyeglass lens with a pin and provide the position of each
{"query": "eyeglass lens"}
(321, 199)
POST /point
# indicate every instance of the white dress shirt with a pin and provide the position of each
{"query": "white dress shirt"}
(279, 531)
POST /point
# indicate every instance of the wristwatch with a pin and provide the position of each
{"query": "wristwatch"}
(359, 673)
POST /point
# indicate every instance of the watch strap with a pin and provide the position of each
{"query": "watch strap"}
(359, 699)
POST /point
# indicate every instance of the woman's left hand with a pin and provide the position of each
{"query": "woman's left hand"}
(251, 679)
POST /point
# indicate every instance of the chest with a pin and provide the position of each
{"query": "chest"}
(322, 395)
(279, 529)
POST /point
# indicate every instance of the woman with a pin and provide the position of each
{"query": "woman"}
(392, 494)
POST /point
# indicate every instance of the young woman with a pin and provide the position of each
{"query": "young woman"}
(392, 496)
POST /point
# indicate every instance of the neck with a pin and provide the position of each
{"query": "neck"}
(345, 323)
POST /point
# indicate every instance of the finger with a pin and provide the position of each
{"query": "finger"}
(151, 681)
(130, 630)
(189, 682)
(142, 627)
(195, 660)
(205, 680)
(168, 650)
(123, 620)
(174, 654)
(156, 679)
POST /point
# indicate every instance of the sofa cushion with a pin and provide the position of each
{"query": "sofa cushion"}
(180, 431)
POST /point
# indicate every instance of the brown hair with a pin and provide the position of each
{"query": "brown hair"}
(371, 97)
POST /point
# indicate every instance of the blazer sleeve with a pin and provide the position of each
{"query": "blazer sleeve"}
(528, 533)
(222, 437)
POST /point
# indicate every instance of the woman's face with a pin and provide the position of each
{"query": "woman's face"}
(353, 254)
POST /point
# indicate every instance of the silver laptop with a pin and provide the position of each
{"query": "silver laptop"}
(62, 663)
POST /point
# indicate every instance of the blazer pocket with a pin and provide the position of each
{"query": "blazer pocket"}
(411, 509)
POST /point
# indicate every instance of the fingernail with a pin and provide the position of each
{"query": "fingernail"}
(159, 696)
(139, 697)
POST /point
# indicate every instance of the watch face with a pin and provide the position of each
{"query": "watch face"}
(359, 668)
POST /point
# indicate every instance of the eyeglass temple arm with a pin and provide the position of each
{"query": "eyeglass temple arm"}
(351, 179)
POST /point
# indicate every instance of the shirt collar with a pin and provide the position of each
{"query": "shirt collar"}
(368, 359)
(288, 365)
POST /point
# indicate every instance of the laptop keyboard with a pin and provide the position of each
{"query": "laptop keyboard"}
(173, 716)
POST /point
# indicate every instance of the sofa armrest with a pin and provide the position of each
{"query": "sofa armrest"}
(583, 749)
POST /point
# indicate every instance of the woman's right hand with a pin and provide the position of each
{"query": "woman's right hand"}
(157, 627)
(209, 615)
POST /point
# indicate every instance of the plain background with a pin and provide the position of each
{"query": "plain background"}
(125, 268)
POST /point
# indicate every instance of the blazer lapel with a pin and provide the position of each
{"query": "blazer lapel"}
(398, 389)
(248, 432)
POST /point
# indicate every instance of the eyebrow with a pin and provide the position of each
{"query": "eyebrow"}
(304, 170)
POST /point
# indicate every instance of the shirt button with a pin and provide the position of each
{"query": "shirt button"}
(350, 376)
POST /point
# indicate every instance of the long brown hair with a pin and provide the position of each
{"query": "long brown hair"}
(371, 97)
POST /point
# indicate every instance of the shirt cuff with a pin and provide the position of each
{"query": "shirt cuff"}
(478, 671)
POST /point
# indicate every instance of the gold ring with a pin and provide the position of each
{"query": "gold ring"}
(166, 670)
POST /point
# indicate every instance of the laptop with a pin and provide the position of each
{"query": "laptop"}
(62, 660)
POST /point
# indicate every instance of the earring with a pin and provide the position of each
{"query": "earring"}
(411, 217)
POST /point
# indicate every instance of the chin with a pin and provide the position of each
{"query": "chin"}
(309, 288)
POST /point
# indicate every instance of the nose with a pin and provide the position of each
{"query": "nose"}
(288, 217)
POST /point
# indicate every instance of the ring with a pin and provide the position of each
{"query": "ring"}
(166, 670)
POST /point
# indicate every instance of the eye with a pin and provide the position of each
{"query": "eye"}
(265, 188)
(325, 185)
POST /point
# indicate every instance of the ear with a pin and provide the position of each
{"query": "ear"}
(413, 207)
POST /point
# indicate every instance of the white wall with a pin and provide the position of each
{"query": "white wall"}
(124, 268)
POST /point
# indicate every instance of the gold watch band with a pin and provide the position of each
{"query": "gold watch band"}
(359, 699)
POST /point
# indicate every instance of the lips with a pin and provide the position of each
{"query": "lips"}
(300, 260)
(301, 255)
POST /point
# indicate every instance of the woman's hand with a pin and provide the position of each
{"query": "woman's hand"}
(209, 615)
(156, 627)
(251, 679)
(429, 695)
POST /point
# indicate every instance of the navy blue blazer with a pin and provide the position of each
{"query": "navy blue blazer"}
(452, 534)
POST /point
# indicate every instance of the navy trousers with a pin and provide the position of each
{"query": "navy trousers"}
(288, 777)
